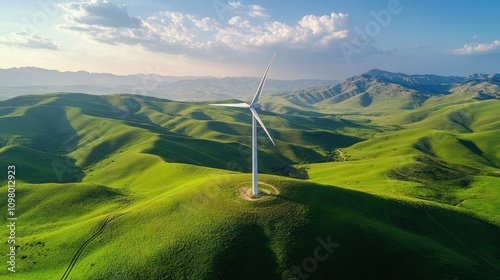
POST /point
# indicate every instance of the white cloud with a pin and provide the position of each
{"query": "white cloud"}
(257, 11)
(325, 29)
(322, 24)
(175, 33)
(478, 48)
(236, 5)
(240, 22)
(254, 11)
(312, 32)
(101, 13)
(204, 24)
(25, 40)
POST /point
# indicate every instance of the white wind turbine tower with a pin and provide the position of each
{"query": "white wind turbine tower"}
(255, 118)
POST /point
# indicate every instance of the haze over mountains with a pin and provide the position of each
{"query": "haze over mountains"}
(31, 80)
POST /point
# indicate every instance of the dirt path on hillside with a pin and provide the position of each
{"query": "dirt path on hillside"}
(72, 263)
(341, 154)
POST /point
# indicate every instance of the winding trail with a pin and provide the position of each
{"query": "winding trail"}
(408, 177)
(341, 154)
(72, 263)
(401, 174)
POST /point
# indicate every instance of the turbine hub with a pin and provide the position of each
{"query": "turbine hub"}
(257, 106)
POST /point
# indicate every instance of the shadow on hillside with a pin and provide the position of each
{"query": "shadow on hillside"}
(384, 238)
(230, 156)
(244, 259)
(40, 141)
(297, 172)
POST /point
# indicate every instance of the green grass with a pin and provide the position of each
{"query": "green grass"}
(416, 197)
(202, 229)
(439, 157)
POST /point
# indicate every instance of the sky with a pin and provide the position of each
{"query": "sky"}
(316, 39)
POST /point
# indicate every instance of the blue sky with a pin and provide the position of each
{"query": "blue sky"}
(327, 39)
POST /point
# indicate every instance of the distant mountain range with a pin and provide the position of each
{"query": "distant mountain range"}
(31, 80)
(366, 87)
(419, 81)
(412, 80)
(375, 89)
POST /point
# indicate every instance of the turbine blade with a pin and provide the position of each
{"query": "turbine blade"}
(256, 116)
(236, 105)
(262, 82)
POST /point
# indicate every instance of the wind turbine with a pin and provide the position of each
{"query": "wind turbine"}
(255, 118)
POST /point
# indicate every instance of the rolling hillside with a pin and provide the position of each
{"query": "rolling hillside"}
(85, 129)
(136, 187)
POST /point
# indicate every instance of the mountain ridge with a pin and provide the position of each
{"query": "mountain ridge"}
(375, 86)
(414, 79)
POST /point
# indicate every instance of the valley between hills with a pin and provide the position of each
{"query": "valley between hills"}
(391, 176)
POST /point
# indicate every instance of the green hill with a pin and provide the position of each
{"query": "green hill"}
(197, 227)
(134, 187)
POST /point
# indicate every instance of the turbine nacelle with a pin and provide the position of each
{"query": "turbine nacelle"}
(234, 105)
(238, 105)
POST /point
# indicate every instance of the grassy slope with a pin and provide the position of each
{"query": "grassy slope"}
(195, 226)
(185, 221)
(454, 140)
